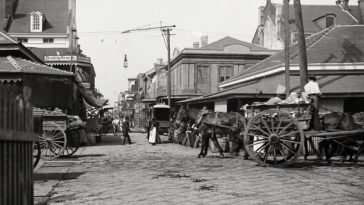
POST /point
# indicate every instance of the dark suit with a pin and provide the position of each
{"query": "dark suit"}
(126, 131)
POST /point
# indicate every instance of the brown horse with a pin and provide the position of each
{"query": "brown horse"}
(209, 124)
(340, 122)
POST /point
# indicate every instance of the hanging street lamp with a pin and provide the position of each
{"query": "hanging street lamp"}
(125, 62)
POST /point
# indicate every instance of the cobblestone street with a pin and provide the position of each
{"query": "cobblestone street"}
(111, 173)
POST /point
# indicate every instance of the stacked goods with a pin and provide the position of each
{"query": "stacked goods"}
(359, 118)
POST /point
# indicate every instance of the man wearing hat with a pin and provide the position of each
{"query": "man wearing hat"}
(126, 130)
(313, 91)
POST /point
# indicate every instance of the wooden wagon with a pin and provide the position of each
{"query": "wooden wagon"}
(275, 134)
(54, 138)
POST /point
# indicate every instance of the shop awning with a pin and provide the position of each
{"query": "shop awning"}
(94, 102)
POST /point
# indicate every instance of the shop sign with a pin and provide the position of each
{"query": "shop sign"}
(67, 58)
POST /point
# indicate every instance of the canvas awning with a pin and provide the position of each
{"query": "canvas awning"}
(94, 102)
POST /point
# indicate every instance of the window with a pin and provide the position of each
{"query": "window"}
(241, 67)
(48, 40)
(36, 21)
(23, 40)
(202, 77)
(329, 21)
(225, 72)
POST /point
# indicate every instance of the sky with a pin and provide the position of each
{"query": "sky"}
(100, 23)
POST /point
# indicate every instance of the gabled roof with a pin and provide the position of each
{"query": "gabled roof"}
(18, 65)
(227, 41)
(8, 45)
(339, 44)
(55, 12)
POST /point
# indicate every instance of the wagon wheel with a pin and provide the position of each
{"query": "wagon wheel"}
(73, 142)
(273, 137)
(52, 141)
(36, 153)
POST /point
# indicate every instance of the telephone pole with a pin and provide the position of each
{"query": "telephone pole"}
(301, 44)
(167, 31)
(287, 39)
(168, 34)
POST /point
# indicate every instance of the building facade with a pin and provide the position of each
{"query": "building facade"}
(198, 71)
(48, 28)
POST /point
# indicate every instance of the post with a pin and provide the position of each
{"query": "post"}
(169, 67)
(287, 40)
(301, 44)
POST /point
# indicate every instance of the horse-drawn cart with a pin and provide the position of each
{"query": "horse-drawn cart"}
(276, 135)
(58, 134)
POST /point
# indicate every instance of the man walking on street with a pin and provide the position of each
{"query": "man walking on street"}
(126, 130)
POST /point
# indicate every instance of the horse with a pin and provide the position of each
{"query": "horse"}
(210, 123)
(116, 124)
(336, 121)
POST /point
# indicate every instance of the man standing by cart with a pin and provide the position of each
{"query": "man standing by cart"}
(126, 130)
(313, 91)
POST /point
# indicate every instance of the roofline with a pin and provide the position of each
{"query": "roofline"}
(8, 37)
(38, 34)
(214, 56)
(232, 80)
(311, 66)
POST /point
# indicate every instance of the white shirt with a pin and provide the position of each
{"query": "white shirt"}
(312, 88)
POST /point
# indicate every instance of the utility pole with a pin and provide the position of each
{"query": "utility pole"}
(301, 44)
(167, 31)
(287, 39)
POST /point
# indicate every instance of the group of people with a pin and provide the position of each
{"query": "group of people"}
(152, 132)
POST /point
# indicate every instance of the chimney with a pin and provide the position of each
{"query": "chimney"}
(196, 44)
(204, 40)
(338, 2)
(360, 11)
(261, 15)
(345, 4)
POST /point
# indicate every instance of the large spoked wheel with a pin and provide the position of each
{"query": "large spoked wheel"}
(36, 153)
(52, 141)
(73, 142)
(274, 138)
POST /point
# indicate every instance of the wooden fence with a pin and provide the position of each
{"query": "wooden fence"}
(16, 150)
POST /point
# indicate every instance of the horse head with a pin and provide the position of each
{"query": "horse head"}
(181, 115)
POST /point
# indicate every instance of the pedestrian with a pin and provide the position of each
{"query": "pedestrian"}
(313, 92)
(126, 130)
(154, 135)
(148, 126)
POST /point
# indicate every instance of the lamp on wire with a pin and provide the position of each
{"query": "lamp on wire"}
(125, 62)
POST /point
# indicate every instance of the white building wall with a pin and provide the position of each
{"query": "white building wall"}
(37, 42)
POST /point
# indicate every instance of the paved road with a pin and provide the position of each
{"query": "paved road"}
(140, 173)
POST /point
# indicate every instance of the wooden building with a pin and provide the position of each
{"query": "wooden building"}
(199, 70)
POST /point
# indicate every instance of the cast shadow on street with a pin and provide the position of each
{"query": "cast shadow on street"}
(57, 176)
(86, 155)
(312, 164)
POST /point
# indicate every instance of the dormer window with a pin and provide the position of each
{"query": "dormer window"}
(326, 21)
(329, 21)
(36, 21)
